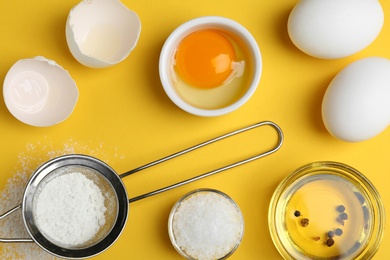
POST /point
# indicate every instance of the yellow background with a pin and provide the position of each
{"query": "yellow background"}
(124, 117)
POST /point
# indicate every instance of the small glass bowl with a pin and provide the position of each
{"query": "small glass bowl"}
(326, 210)
(215, 226)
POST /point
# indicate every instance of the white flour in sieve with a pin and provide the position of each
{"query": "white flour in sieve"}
(70, 209)
(11, 195)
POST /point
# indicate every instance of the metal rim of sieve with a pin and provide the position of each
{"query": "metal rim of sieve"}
(100, 168)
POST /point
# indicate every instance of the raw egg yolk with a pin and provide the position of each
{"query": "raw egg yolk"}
(204, 58)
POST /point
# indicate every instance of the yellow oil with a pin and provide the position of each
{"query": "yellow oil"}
(218, 97)
(317, 200)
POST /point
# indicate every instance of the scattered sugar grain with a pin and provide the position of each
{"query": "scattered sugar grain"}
(70, 209)
(207, 225)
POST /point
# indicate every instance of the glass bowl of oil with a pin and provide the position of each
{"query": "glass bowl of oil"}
(326, 210)
(210, 66)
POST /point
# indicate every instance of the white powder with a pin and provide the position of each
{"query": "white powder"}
(207, 225)
(70, 209)
(28, 161)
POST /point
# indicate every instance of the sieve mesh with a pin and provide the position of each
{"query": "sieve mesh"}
(110, 204)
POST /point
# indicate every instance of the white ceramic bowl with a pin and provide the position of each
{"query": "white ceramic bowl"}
(232, 29)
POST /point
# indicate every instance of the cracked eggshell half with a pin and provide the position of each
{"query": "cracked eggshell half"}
(39, 92)
(356, 103)
(102, 33)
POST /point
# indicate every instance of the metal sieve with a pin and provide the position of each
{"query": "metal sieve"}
(115, 196)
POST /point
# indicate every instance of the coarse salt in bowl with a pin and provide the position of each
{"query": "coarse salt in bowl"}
(206, 224)
(39, 92)
(225, 74)
(102, 33)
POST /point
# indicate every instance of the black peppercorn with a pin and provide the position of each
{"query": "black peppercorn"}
(341, 208)
(297, 213)
(343, 216)
(330, 234)
(330, 242)
(340, 221)
(304, 222)
(338, 232)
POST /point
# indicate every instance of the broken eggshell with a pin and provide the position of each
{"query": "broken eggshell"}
(39, 92)
(101, 33)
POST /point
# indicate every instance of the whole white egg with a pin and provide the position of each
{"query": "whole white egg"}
(356, 105)
(331, 29)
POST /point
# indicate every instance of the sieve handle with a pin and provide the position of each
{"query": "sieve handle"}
(264, 123)
(13, 240)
